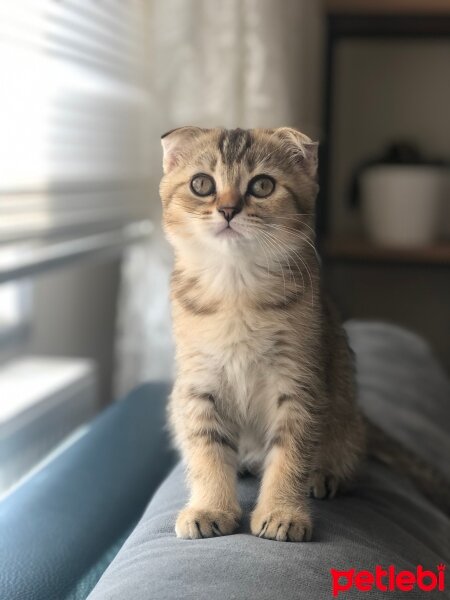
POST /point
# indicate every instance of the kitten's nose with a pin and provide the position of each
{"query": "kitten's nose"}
(229, 211)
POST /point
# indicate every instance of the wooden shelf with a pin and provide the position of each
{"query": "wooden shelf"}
(353, 249)
(388, 6)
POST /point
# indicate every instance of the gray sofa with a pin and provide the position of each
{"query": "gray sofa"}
(384, 521)
(62, 534)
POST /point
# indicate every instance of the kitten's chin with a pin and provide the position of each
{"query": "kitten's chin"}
(228, 233)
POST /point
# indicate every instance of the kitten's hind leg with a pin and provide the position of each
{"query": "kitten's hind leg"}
(339, 457)
(323, 485)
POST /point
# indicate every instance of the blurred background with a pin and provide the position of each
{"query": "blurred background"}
(87, 88)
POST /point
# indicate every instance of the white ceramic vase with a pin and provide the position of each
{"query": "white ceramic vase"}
(401, 204)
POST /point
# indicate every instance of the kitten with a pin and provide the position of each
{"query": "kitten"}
(264, 373)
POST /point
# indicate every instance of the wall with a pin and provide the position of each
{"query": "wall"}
(386, 90)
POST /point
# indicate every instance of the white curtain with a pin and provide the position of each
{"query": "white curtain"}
(233, 63)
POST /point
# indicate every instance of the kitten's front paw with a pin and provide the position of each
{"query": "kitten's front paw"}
(194, 523)
(283, 525)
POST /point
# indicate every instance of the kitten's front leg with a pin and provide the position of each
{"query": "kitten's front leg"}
(282, 511)
(210, 453)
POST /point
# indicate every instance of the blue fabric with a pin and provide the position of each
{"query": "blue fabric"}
(61, 522)
(383, 521)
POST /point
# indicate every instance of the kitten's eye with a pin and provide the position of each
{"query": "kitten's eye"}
(261, 186)
(203, 185)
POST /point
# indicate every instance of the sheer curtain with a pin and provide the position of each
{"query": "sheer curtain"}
(246, 63)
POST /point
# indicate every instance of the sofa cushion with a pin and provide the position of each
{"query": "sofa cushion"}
(383, 521)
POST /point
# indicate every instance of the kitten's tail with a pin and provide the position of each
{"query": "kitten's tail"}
(429, 480)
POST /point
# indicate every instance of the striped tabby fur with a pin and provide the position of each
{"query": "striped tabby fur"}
(264, 374)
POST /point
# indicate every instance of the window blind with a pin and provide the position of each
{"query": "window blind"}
(73, 113)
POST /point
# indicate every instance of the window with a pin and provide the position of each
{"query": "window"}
(73, 111)
(73, 173)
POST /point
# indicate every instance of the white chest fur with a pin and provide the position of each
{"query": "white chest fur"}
(231, 353)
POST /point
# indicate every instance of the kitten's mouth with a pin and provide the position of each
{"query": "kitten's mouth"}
(228, 232)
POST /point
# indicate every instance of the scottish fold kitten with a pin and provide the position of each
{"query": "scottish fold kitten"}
(264, 373)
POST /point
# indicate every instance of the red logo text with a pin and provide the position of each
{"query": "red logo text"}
(388, 580)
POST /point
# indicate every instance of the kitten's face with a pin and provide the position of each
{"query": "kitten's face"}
(239, 192)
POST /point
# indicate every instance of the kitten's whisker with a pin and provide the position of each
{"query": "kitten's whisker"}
(294, 225)
(309, 274)
(286, 258)
(289, 248)
(286, 254)
(296, 214)
(262, 248)
(294, 232)
(265, 254)
(298, 219)
(270, 249)
(281, 268)
(265, 245)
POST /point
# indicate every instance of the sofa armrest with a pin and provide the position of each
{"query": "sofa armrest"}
(56, 525)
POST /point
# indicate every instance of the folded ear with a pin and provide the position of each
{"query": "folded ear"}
(174, 144)
(303, 148)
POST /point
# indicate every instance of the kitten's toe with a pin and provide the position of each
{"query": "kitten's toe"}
(323, 486)
(283, 525)
(193, 523)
